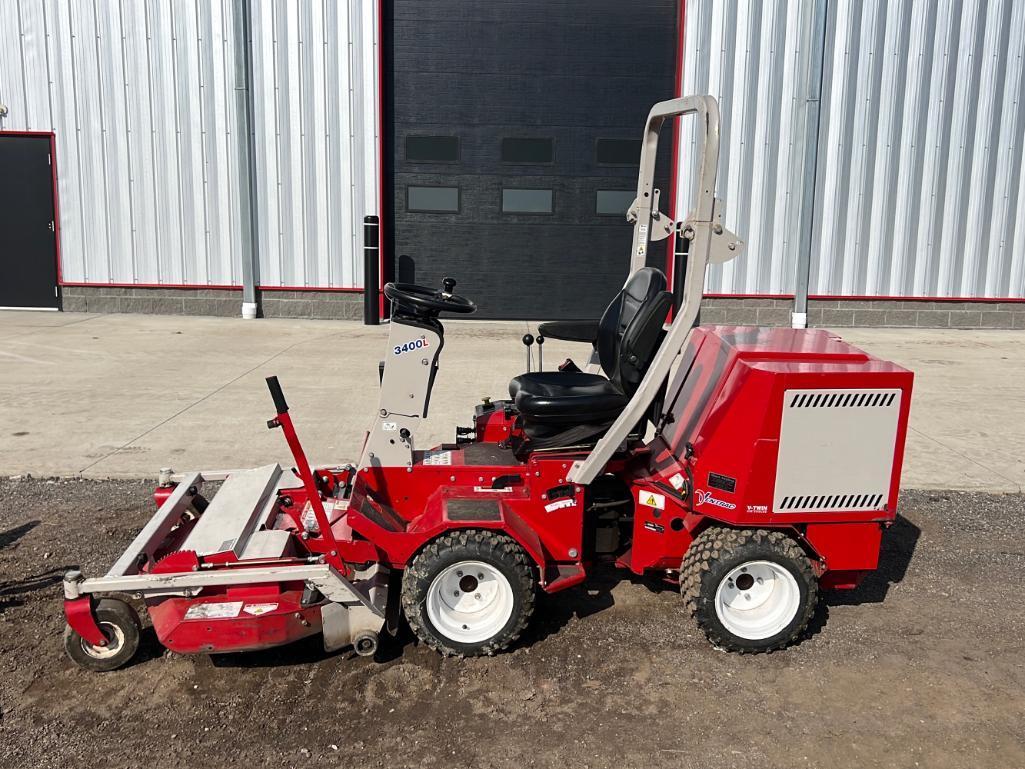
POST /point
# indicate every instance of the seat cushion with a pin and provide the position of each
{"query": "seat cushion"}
(566, 397)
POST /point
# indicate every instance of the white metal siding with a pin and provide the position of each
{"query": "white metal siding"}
(747, 55)
(316, 127)
(140, 99)
(140, 96)
(920, 188)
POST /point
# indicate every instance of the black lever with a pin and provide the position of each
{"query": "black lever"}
(277, 395)
(540, 353)
(528, 340)
(449, 284)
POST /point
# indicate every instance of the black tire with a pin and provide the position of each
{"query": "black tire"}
(715, 554)
(120, 624)
(499, 551)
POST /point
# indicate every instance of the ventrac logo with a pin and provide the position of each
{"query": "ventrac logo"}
(706, 498)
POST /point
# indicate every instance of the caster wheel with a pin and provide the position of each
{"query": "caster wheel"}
(120, 624)
(469, 593)
(750, 590)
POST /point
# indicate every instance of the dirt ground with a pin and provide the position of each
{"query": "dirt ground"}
(924, 665)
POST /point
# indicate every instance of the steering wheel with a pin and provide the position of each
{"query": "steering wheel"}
(428, 301)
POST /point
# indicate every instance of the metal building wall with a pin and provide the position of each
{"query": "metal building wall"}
(316, 125)
(919, 185)
(139, 97)
(747, 54)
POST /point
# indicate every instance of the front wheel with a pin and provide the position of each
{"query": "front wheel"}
(750, 590)
(469, 593)
(120, 624)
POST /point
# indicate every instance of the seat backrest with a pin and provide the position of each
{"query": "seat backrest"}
(631, 328)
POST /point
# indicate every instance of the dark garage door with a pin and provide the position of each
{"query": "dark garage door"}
(513, 133)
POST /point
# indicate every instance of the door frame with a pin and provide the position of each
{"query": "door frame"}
(56, 213)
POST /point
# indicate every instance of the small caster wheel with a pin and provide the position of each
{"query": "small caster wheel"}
(365, 644)
(120, 624)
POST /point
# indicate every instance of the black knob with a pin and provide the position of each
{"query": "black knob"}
(449, 284)
(528, 339)
(540, 339)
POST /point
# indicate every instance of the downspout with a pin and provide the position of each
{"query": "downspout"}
(246, 155)
(816, 47)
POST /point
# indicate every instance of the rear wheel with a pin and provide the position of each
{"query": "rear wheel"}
(120, 624)
(469, 593)
(750, 590)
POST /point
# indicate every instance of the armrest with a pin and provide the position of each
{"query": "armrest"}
(570, 330)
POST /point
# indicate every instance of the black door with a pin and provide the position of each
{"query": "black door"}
(513, 136)
(28, 244)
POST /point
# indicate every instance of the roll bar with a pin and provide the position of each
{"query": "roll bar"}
(710, 243)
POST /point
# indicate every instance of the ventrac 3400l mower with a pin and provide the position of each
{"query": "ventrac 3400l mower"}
(752, 466)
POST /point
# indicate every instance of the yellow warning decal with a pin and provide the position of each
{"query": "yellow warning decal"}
(651, 499)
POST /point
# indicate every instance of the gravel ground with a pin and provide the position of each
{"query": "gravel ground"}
(924, 665)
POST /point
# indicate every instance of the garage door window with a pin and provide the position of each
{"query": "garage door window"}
(432, 149)
(617, 152)
(613, 202)
(433, 199)
(529, 151)
(526, 201)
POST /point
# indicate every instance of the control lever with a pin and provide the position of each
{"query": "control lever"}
(540, 354)
(528, 340)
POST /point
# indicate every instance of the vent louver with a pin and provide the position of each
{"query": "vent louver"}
(842, 400)
(832, 502)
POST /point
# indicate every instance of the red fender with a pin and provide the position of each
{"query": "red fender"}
(79, 613)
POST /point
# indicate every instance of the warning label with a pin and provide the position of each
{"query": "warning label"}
(214, 610)
(651, 499)
(437, 457)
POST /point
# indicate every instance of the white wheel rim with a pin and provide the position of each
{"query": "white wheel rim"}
(757, 599)
(115, 639)
(470, 602)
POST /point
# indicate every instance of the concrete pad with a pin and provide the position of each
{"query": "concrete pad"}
(123, 395)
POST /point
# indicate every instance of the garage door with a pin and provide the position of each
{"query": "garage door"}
(512, 140)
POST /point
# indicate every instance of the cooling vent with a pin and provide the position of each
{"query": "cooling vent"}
(836, 449)
(842, 400)
(833, 502)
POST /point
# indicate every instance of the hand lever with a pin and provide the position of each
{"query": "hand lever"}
(540, 353)
(449, 284)
(528, 340)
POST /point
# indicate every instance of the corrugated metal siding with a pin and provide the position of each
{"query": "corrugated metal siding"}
(747, 54)
(920, 166)
(316, 126)
(140, 98)
(920, 188)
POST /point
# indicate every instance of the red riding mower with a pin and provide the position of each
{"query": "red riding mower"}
(771, 472)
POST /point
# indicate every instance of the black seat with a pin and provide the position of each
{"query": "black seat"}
(561, 406)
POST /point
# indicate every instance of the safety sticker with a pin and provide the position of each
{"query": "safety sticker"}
(437, 457)
(658, 528)
(256, 609)
(651, 499)
(389, 427)
(677, 481)
(214, 610)
(309, 517)
(551, 507)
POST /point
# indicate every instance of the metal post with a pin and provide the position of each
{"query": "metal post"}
(246, 140)
(681, 248)
(817, 34)
(371, 270)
